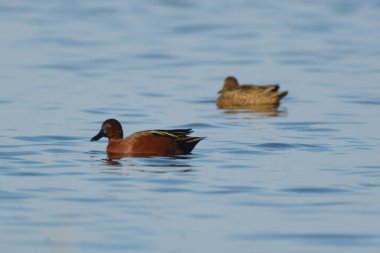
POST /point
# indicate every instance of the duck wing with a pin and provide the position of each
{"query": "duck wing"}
(261, 88)
(172, 133)
(181, 136)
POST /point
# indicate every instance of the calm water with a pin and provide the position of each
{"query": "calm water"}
(303, 178)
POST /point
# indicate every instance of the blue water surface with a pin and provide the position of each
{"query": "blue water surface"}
(304, 177)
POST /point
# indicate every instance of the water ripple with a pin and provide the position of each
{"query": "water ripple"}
(222, 190)
(286, 146)
(367, 102)
(9, 154)
(47, 138)
(341, 239)
(7, 195)
(170, 190)
(316, 190)
(28, 174)
(197, 28)
(2, 101)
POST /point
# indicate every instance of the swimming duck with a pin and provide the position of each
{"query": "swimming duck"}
(235, 95)
(146, 143)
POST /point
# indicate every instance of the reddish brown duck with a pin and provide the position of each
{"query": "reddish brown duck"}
(146, 143)
(235, 95)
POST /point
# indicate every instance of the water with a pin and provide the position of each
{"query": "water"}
(303, 178)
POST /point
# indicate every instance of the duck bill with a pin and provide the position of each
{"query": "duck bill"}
(220, 91)
(98, 136)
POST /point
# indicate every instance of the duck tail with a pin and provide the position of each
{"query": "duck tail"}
(188, 144)
(280, 95)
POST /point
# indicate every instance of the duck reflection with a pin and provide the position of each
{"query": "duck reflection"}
(166, 164)
(262, 110)
(116, 156)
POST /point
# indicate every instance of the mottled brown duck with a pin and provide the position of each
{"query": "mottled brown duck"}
(234, 95)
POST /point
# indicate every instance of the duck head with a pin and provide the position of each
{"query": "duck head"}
(111, 128)
(230, 83)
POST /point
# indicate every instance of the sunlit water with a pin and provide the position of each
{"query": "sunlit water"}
(302, 178)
